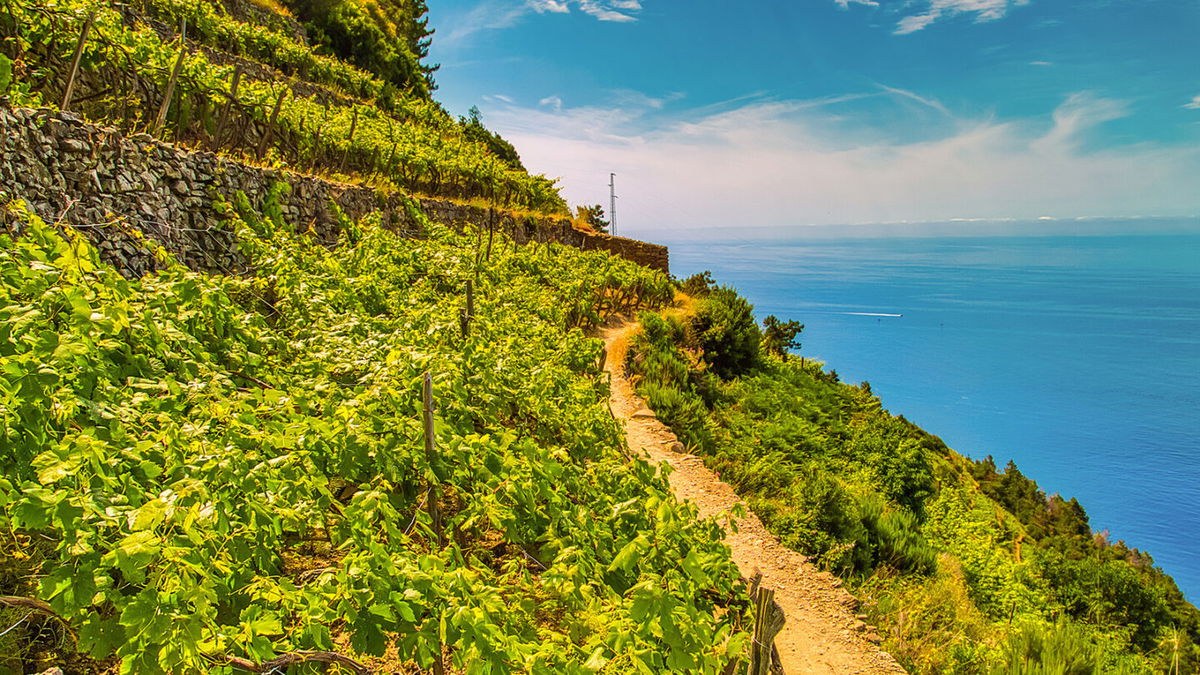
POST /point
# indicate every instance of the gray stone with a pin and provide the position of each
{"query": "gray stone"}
(73, 145)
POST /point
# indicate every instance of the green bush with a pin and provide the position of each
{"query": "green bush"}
(1061, 649)
(725, 329)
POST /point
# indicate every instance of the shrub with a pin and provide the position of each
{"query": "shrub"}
(725, 329)
(698, 285)
(1062, 649)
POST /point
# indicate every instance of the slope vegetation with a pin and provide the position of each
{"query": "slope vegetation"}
(207, 472)
(962, 568)
(821, 634)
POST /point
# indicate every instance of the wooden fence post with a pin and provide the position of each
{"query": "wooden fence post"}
(768, 621)
(170, 92)
(83, 35)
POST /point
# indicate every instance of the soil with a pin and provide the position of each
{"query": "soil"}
(822, 633)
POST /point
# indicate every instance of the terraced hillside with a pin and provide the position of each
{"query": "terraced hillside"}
(344, 435)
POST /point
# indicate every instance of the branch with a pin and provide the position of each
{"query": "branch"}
(292, 658)
(34, 604)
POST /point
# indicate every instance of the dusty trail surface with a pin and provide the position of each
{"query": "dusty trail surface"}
(822, 633)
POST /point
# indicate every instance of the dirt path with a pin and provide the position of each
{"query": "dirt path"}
(822, 633)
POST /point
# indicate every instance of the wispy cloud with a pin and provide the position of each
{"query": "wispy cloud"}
(611, 10)
(769, 163)
(919, 14)
(499, 14)
(1194, 104)
(552, 6)
(904, 93)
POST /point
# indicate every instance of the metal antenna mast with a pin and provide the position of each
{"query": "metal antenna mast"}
(612, 203)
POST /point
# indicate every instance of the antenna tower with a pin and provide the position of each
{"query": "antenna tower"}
(612, 203)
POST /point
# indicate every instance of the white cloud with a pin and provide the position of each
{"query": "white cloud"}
(487, 15)
(1040, 63)
(554, 102)
(606, 11)
(904, 93)
(771, 163)
(499, 14)
(921, 13)
(914, 23)
(543, 6)
(1194, 104)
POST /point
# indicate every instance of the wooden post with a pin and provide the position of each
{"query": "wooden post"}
(435, 514)
(266, 137)
(83, 34)
(170, 92)
(349, 140)
(768, 621)
(219, 136)
(491, 231)
(469, 312)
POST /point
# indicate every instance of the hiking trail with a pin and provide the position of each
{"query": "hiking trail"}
(822, 633)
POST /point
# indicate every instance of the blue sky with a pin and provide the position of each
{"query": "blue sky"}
(764, 114)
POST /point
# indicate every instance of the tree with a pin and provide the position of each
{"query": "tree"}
(473, 129)
(593, 215)
(780, 336)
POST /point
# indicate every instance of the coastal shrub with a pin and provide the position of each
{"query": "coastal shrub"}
(698, 284)
(727, 333)
(930, 624)
(780, 337)
(1060, 649)
(895, 538)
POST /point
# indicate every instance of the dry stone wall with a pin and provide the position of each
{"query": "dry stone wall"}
(109, 185)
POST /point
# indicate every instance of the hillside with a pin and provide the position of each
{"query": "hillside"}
(294, 372)
(963, 568)
(299, 372)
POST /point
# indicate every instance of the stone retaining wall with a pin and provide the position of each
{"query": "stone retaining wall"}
(96, 179)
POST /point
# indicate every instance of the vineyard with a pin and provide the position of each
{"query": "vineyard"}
(189, 73)
(209, 473)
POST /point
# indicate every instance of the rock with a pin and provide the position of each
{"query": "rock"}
(73, 145)
(180, 187)
(644, 413)
(872, 636)
(676, 446)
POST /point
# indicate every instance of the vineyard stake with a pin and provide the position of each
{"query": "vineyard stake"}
(266, 137)
(170, 92)
(83, 34)
(233, 92)
(435, 515)
(349, 140)
(469, 312)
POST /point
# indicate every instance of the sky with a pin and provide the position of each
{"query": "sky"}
(786, 113)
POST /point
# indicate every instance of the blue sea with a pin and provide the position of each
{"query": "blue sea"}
(1075, 354)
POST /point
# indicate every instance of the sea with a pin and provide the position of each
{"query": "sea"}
(1071, 348)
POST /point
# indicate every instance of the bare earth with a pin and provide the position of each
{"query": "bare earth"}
(822, 633)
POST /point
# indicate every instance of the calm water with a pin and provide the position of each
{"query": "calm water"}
(1076, 356)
